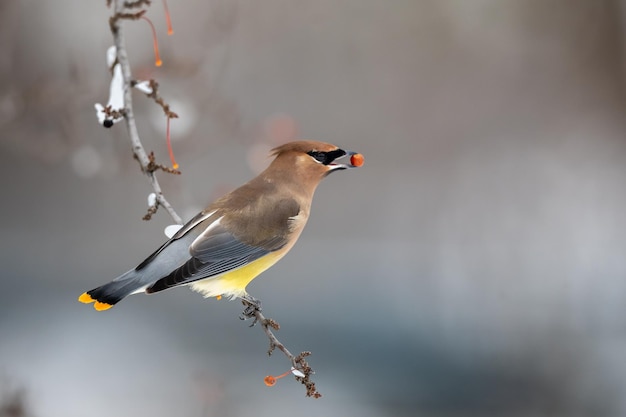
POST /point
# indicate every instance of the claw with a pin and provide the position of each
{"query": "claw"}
(252, 305)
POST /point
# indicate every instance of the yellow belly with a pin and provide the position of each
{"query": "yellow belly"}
(233, 283)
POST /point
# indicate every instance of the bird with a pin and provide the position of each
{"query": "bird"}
(240, 235)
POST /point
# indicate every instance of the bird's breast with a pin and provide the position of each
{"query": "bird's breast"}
(233, 283)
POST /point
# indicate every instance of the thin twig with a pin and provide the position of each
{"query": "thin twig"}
(154, 95)
(149, 166)
(297, 362)
(129, 116)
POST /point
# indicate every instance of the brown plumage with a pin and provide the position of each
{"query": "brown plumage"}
(237, 237)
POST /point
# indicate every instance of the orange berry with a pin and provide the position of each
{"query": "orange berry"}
(357, 160)
(269, 380)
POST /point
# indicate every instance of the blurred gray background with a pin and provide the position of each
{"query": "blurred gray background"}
(475, 266)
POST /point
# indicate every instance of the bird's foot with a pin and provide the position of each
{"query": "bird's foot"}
(252, 306)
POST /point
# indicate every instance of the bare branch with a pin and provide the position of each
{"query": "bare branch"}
(154, 95)
(129, 116)
(297, 362)
(300, 368)
(138, 3)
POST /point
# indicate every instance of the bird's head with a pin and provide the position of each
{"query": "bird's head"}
(311, 160)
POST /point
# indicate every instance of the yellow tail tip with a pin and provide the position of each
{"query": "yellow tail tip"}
(98, 305)
(85, 298)
(102, 306)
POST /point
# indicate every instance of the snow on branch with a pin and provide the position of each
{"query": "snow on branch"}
(120, 106)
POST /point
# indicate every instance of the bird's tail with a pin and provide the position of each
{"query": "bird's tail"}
(107, 295)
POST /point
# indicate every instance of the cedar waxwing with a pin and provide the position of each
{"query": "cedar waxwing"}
(224, 247)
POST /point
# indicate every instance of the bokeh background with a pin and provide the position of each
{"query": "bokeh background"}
(475, 266)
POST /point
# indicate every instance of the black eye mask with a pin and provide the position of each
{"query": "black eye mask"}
(327, 157)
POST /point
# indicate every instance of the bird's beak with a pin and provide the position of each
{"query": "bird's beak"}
(355, 161)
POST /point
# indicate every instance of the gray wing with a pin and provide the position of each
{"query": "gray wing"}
(216, 251)
(197, 219)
